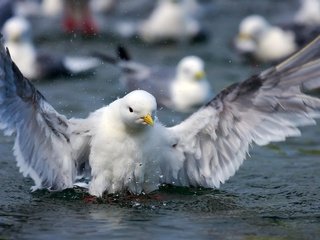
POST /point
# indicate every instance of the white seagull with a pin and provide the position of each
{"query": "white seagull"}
(309, 13)
(39, 65)
(306, 22)
(262, 41)
(183, 88)
(170, 21)
(128, 151)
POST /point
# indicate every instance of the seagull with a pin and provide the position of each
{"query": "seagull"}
(129, 150)
(306, 22)
(182, 89)
(264, 42)
(30, 8)
(170, 21)
(36, 8)
(309, 13)
(51, 8)
(39, 65)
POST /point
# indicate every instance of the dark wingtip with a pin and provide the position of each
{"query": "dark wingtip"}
(17, 72)
(15, 68)
(24, 88)
(8, 52)
(123, 53)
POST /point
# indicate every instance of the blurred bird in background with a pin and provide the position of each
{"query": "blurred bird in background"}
(52, 8)
(37, 65)
(265, 42)
(306, 22)
(309, 13)
(182, 88)
(262, 41)
(170, 21)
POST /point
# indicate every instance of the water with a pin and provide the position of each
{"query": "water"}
(274, 195)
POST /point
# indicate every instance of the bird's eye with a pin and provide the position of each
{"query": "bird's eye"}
(130, 109)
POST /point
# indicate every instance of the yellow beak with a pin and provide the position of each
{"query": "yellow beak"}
(148, 119)
(200, 75)
(244, 37)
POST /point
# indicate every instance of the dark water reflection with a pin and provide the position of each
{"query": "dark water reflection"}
(275, 194)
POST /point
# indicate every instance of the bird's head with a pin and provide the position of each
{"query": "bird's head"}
(137, 109)
(253, 25)
(191, 69)
(16, 29)
(250, 30)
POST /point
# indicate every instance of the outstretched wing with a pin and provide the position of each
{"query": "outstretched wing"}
(42, 145)
(214, 141)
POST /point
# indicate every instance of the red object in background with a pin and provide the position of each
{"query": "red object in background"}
(78, 18)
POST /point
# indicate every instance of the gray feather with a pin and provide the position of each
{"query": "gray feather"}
(42, 144)
(214, 141)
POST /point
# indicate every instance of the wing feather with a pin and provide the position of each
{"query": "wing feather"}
(269, 107)
(42, 143)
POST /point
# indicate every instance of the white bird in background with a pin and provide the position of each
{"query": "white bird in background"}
(309, 13)
(183, 88)
(171, 20)
(306, 22)
(52, 8)
(27, 8)
(38, 65)
(262, 41)
(128, 151)
(36, 8)
(193, 8)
